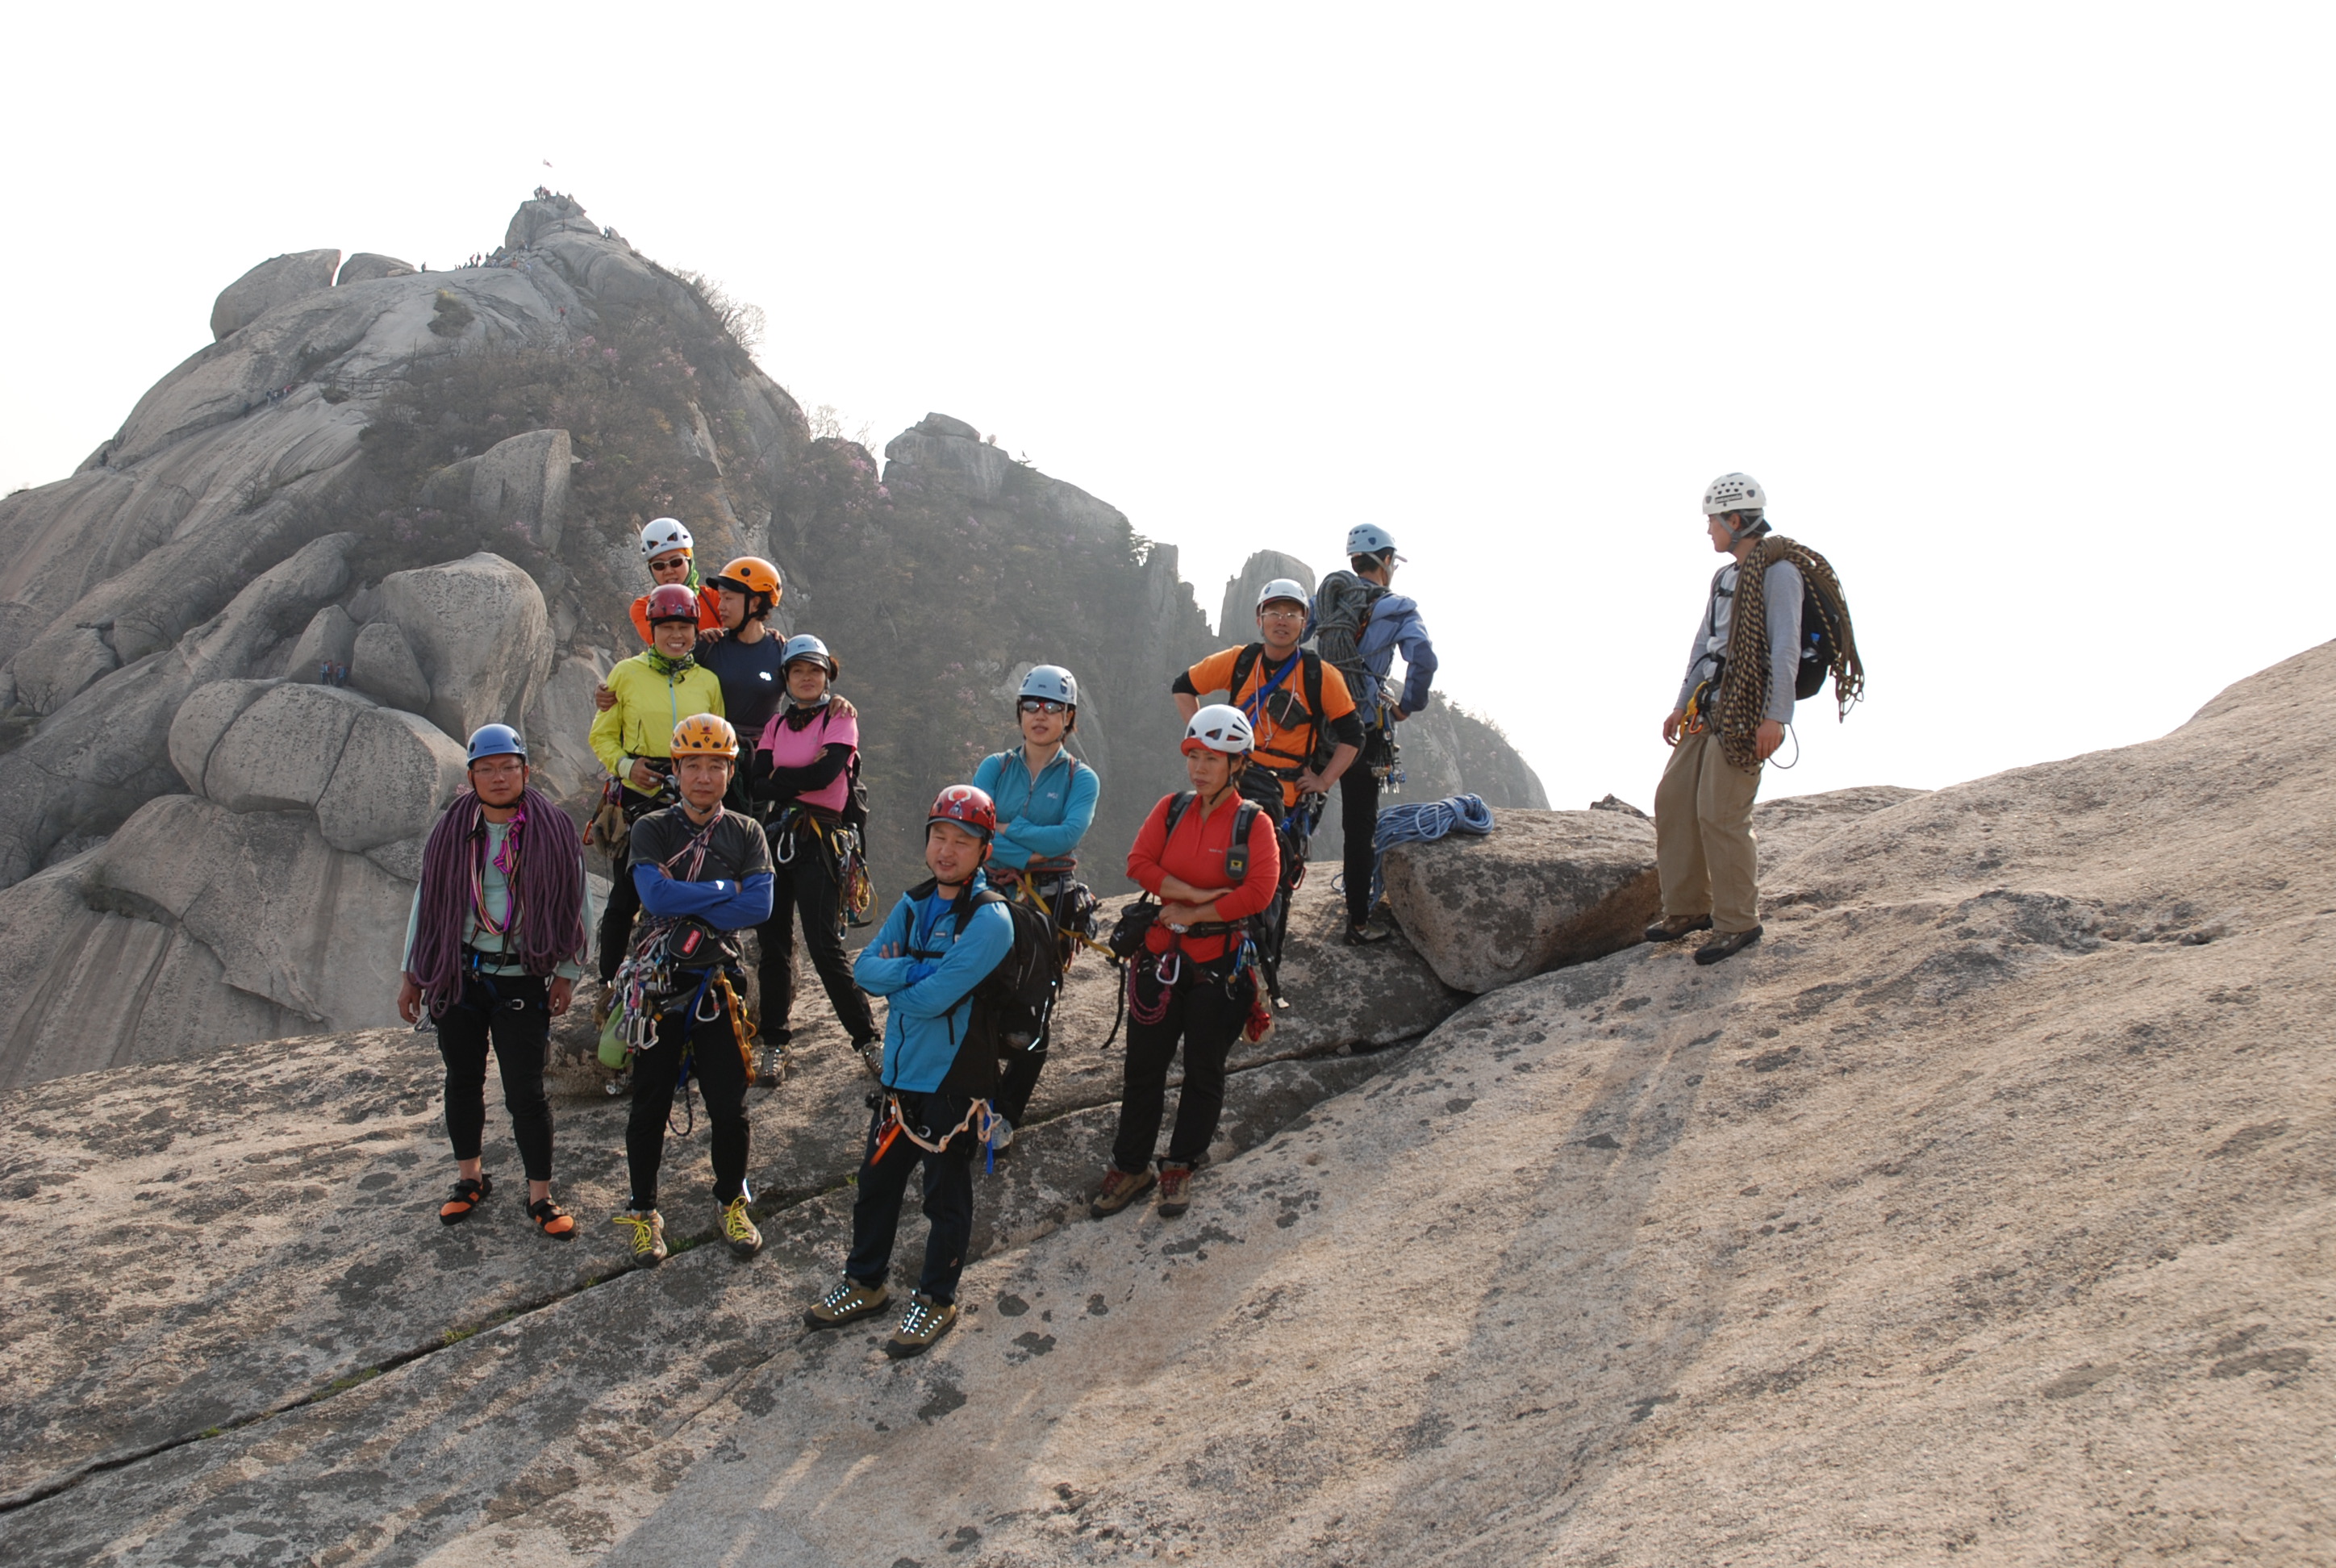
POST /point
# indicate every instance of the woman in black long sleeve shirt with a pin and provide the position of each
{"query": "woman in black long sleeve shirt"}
(799, 775)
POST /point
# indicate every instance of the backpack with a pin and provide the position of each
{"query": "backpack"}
(1012, 1001)
(1309, 678)
(1819, 644)
(1342, 609)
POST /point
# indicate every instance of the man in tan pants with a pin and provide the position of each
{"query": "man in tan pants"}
(1704, 849)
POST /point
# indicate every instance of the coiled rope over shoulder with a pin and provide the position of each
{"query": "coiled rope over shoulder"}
(1743, 700)
(1420, 821)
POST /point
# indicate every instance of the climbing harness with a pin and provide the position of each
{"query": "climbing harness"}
(978, 1118)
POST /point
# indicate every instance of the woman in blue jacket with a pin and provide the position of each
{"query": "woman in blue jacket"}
(940, 941)
(1046, 800)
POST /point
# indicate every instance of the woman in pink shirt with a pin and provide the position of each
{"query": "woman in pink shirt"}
(800, 776)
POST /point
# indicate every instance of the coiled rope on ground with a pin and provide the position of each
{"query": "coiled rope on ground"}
(1417, 821)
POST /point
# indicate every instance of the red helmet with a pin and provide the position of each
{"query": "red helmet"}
(672, 601)
(967, 807)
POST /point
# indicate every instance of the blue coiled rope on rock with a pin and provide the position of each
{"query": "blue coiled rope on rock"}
(1418, 822)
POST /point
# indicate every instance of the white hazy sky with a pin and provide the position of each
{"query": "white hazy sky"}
(2020, 312)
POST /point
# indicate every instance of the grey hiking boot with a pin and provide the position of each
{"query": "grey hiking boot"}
(847, 1303)
(770, 1066)
(1119, 1189)
(871, 1053)
(1176, 1190)
(1722, 947)
(925, 1321)
(647, 1236)
(1672, 928)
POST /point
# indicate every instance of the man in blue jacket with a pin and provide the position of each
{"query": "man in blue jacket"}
(1046, 801)
(942, 939)
(1391, 625)
(703, 874)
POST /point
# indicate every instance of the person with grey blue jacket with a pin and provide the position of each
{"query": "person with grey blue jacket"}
(1394, 625)
(1046, 801)
(1704, 850)
(939, 1070)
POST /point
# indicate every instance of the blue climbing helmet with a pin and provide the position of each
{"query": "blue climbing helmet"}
(1368, 538)
(496, 740)
(807, 646)
(1051, 682)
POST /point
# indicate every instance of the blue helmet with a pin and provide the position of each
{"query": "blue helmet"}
(1368, 538)
(1052, 682)
(496, 740)
(806, 646)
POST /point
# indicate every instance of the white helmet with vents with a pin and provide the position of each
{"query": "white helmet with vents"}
(665, 535)
(1221, 728)
(1734, 493)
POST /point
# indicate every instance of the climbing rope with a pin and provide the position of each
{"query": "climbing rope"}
(1418, 822)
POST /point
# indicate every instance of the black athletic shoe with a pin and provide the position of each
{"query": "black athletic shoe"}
(1721, 949)
(1672, 928)
(1363, 936)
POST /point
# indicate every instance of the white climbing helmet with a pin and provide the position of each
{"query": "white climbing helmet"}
(1282, 587)
(665, 535)
(1368, 538)
(1734, 493)
(1050, 683)
(1220, 727)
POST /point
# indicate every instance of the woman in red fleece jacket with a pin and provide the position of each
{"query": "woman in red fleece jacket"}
(1190, 983)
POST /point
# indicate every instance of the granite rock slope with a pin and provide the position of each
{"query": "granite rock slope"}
(1979, 1213)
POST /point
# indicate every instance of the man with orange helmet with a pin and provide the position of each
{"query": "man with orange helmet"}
(702, 875)
(655, 690)
(939, 1068)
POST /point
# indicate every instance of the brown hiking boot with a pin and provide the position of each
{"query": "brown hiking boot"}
(1120, 1188)
(925, 1321)
(846, 1303)
(1722, 947)
(1672, 928)
(1176, 1190)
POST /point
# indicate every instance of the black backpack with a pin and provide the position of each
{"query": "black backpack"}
(1277, 705)
(1819, 644)
(1011, 1003)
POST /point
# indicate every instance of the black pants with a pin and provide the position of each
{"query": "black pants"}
(721, 1073)
(1207, 1020)
(1358, 811)
(1019, 1070)
(948, 1195)
(806, 887)
(511, 1012)
(624, 903)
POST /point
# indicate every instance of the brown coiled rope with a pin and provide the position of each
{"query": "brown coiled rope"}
(1744, 685)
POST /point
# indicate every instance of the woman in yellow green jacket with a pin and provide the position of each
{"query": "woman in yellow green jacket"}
(633, 739)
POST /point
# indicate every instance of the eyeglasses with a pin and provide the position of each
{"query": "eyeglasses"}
(1041, 704)
(1281, 614)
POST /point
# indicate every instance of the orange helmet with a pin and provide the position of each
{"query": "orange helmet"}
(752, 574)
(705, 734)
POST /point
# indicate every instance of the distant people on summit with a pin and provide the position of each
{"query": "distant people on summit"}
(1211, 856)
(1046, 801)
(651, 693)
(805, 760)
(1751, 657)
(1359, 625)
(494, 945)
(939, 1067)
